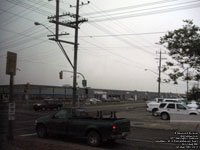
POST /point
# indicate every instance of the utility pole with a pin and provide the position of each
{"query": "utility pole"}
(73, 25)
(187, 83)
(159, 71)
(75, 55)
(57, 18)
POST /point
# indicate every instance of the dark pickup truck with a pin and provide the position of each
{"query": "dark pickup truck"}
(76, 122)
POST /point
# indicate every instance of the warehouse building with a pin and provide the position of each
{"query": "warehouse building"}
(39, 92)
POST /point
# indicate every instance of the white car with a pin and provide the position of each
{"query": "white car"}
(154, 105)
(165, 109)
(93, 101)
(193, 104)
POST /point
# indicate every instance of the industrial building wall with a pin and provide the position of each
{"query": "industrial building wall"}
(22, 92)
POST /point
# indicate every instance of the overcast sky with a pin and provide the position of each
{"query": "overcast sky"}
(117, 43)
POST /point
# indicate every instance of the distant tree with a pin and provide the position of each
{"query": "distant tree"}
(184, 48)
(194, 93)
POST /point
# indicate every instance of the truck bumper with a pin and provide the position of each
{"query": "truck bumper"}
(148, 109)
(119, 136)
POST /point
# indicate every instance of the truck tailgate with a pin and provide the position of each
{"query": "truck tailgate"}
(122, 125)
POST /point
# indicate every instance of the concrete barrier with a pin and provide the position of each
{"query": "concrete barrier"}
(184, 118)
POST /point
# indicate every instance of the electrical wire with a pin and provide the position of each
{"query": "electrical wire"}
(146, 9)
(146, 13)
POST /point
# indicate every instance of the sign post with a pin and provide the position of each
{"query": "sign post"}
(11, 70)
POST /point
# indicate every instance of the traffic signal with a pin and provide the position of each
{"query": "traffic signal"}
(84, 83)
(61, 75)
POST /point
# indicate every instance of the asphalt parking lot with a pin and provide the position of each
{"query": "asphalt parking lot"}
(141, 118)
(146, 130)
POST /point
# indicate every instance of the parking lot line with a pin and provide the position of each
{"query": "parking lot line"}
(30, 134)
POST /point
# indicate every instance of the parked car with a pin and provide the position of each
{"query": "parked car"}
(157, 100)
(154, 105)
(166, 109)
(193, 104)
(76, 122)
(115, 99)
(130, 99)
(48, 104)
(93, 101)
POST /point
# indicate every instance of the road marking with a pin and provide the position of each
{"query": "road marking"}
(31, 134)
(23, 129)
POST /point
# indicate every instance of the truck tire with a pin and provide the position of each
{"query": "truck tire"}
(41, 131)
(93, 138)
(154, 112)
(165, 116)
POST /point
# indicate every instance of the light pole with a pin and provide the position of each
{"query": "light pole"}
(58, 42)
(159, 79)
(38, 24)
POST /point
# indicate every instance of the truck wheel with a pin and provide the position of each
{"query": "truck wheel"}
(41, 131)
(154, 112)
(93, 138)
(164, 116)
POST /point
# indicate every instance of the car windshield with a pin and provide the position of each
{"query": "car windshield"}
(185, 105)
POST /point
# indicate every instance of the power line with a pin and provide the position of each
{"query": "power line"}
(129, 7)
(112, 53)
(130, 34)
(124, 27)
(146, 13)
(30, 46)
(121, 39)
(14, 18)
(29, 6)
(146, 9)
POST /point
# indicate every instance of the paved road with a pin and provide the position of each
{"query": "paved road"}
(139, 139)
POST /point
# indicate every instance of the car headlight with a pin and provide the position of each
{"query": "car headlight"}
(38, 104)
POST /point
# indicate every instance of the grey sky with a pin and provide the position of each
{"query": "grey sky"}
(111, 62)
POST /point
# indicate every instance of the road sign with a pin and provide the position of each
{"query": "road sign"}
(11, 109)
(11, 63)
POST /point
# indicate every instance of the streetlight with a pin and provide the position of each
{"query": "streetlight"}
(159, 79)
(38, 24)
(63, 50)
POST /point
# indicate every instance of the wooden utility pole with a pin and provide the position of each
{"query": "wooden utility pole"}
(75, 55)
(74, 25)
(159, 73)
